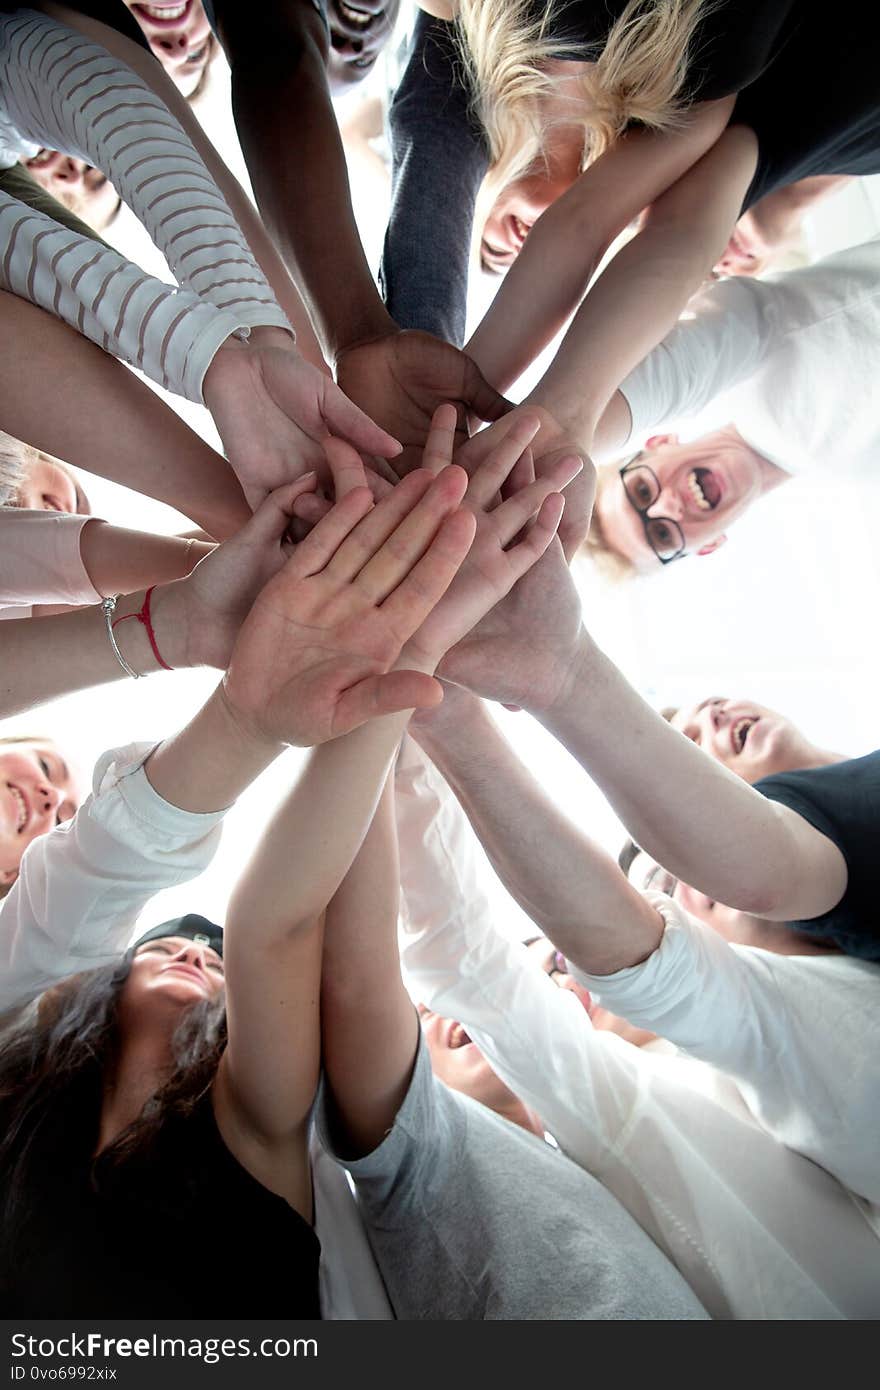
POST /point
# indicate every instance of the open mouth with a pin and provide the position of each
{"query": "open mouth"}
(740, 731)
(704, 488)
(21, 808)
(358, 19)
(520, 229)
(163, 14)
(457, 1036)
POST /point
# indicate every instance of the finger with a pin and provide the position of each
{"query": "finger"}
(511, 516)
(311, 507)
(388, 694)
(323, 542)
(378, 484)
(272, 517)
(478, 448)
(480, 398)
(412, 537)
(414, 598)
(346, 467)
(538, 537)
(488, 478)
(521, 474)
(441, 439)
(375, 529)
(348, 421)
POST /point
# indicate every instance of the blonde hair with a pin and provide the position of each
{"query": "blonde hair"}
(15, 460)
(639, 75)
(596, 548)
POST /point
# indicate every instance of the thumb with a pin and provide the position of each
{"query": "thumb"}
(389, 694)
(272, 517)
(345, 419)
(479, 397)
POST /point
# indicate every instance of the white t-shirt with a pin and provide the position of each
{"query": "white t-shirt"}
(757, 1230)
(792, 361)
(40, 561)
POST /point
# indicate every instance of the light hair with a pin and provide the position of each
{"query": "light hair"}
(15, 460)
(610, 563)
(639, 75)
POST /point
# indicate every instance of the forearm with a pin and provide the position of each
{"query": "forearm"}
(369, 1027)
(118, 560)
(42, 659)
(638, 298)
(127, 435)
(565, 883)
(300, 181)
(310, 845)
(701, 822)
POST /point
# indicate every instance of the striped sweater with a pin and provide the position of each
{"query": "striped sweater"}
(63, 92)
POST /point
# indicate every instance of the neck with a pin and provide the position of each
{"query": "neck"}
(519, 1114)
(815, 757)
(142, 1068)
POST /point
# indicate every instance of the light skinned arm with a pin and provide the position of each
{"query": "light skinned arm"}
(195, 619)
(564, 248)
(697, 819)
(571, 888)
(126, 434)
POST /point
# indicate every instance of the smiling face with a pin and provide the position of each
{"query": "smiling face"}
(748, 738)
(180, 36)
(167, 975)
(515, 211)
(704, 486)
(80, 188)
(460, 1064)
(358, 33)
(38, 790)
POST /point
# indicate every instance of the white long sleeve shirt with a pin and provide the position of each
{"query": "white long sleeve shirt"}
(63, 92)
(792, 361)
(74, 907)
(799, 1035)
(757, 1230)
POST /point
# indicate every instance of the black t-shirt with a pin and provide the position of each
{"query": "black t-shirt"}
(808, 86)
(842, 801)
(179, 1231)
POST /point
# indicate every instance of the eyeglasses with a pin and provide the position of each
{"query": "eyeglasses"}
(642, 488)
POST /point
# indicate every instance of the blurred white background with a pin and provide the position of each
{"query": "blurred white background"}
(784, 614)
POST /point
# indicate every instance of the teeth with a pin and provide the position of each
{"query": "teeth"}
(697, 492)
(165, 11)
(740, 730)
(22, 808)
(521, 229)
(355, 17)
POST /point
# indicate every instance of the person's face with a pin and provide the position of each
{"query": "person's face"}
(747, 252)
(460, 1064)
(180, 36)
(48, 487)
(358, 33)
(83, 190)
(705, 485)
(38, 790)
(753, 741)
(169, 974)
(554, 964)
(518, 207)
(645, 873)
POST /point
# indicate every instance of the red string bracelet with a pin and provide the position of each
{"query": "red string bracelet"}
(143, 617)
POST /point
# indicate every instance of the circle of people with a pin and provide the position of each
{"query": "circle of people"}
(666, 1104)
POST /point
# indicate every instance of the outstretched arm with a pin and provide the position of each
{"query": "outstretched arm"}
(693, 181)
(698, 820)
(567, 885)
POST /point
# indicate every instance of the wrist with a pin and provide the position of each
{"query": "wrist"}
(578, 678)
(453, 724)
(169, 609)
(241, 730)
(371, 327)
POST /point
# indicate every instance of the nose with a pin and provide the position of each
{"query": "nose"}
(192, 954)
(69, 171)
(668, 504)
(175, 44)
(48, 799)
(346, 44)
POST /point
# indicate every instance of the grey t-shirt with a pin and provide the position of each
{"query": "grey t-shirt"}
(472, 1218)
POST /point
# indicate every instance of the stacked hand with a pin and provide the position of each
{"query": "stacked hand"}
(403, 377)
(314, 658)
(274, 413)
(551, 444)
